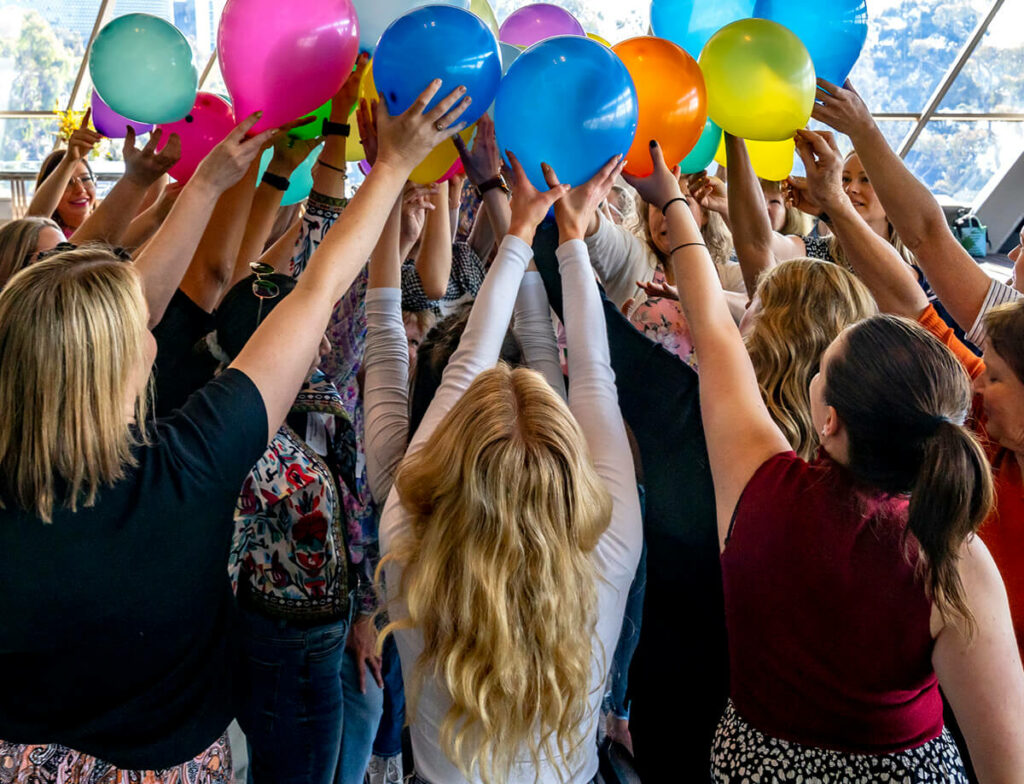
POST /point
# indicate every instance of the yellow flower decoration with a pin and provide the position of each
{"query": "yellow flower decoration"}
(68, 122)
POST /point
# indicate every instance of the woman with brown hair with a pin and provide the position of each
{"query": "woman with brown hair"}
(853, 584)
(130, 672)
(24, 241)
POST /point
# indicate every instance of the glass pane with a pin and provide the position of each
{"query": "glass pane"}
(991, 79)
(613, 20)
(910, 46)
(41, 47)
(957, 159)
(24, 143)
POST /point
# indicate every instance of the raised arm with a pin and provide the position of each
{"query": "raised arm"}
(958, 281)
(279, 354)
(876, 262)
(48, 193)
(110, 220)
(981, 676)
(434, 258)
(481, 341)
(164, 260)
(740, 432)
(483, 169)
(752, 234)
(534, 331)
(593, 398)
(386, 363)
(146, 223)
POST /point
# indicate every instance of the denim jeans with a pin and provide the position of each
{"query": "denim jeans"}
(302, 713)
(616, 701)
(389, 736)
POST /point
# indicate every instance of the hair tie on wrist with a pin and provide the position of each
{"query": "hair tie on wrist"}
(670, 202)
(276, 181)
(686, 245)
(322, 162)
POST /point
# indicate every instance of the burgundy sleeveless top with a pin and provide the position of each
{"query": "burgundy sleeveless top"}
(829, 640)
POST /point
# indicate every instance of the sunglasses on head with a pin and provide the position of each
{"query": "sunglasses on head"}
(263, 289)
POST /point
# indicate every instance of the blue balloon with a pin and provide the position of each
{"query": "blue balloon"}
(438, 41)
(375, 16)
(833, 31)
(569, 102)
(703, 153)
(690, 23)
(301, 181)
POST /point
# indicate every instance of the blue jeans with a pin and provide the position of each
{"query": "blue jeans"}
(616, 701)
(302, 713)
(389, 736)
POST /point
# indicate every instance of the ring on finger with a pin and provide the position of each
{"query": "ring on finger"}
(440, 126)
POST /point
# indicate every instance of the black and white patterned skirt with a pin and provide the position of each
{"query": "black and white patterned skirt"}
(744, 755)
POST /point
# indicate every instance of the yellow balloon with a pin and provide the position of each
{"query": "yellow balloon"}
(760, 80)
(771, 160)
(440, 160)
(483, 9)
(599, 39)
(353, 146)
(367, 88)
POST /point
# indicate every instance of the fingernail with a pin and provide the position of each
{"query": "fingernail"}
(653, 143)
(436, 81)
(462, 88)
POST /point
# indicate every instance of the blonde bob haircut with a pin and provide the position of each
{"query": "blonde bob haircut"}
(804, 305)
(71, 342)
(18, 242)
(506, 509)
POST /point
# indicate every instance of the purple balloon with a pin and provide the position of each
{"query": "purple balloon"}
(533, 23)
(110, 123)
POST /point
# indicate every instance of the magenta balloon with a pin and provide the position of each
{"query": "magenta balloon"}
(285, 58)
(533, 23)
(202, 129)
(110, 123)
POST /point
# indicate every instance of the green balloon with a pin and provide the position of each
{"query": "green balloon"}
(703, 153)
(314, 127)
(142, 68)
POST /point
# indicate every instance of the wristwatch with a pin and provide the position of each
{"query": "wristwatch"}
(491, 184)
(336, 129)
(276, 181)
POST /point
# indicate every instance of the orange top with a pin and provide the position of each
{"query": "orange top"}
(1003, 531)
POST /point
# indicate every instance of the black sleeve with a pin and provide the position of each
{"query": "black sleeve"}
(183, 364)
(219, 434)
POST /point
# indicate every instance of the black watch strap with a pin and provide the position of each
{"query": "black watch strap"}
(276, 181)
(336, 129)
(491, 184)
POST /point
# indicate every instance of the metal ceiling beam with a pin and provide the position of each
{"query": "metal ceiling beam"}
(106, 10)
(953, 116)
(949, 78)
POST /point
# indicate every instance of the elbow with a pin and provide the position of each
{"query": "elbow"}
(434, 291)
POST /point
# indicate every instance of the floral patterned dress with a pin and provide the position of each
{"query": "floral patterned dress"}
(662, 321)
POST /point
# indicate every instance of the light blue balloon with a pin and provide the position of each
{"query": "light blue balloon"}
(438, 42)
(509, 54)
(301, 180)
(141, 66)
(567, 101)
(833, 31)
(703, 153)
(690, 23)
(376, 15)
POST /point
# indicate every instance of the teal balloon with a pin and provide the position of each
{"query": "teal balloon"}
(301, 181)
(142, 68)
(703, 153)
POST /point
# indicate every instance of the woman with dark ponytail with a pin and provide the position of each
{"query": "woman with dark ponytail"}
(854, 585)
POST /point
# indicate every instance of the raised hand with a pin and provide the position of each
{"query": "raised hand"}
(576, 209)
(289, 152)
(348, 94)
(146, 166)
(228, 162)
(709, 192)
(653, 289)
(483, 162)
(529, 206)
(842, 108)
(366, 120)
(661, 185)
(83, 139)
(798, 194)
(404, 141)
(416, 201)
(824, 165)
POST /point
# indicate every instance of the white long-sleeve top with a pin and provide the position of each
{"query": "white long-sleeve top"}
(594, 402)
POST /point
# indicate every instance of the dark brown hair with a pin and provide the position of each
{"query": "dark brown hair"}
(903, 398)
(1005, 329)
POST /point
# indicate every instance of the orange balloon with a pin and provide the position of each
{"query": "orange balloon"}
(672, 98)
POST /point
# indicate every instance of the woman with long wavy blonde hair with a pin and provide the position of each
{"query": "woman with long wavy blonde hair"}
(513, 532)
(800, 307)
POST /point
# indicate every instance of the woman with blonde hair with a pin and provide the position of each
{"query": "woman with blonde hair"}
(24, 241)
(115, 530)
(513, 532)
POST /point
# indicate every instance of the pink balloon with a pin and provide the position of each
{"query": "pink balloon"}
(202, 129)
(533, 23)
(110, 123)
(285, 58)
(456, 169)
